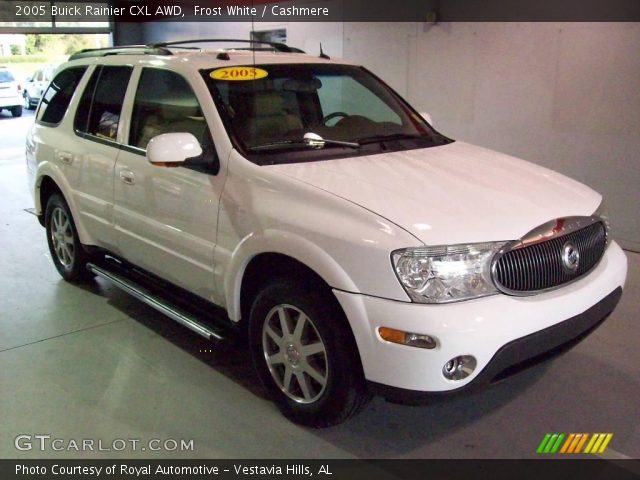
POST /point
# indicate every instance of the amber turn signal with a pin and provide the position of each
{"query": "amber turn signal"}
(406, 338)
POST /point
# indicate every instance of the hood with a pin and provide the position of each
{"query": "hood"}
(456, 193)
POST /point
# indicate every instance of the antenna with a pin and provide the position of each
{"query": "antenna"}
(253, 36)
(322, 54)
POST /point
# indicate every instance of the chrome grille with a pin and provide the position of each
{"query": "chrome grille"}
(538, 265)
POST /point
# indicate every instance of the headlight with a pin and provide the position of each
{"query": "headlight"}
(446, 273)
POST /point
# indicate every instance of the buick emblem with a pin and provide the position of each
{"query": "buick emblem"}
(570, 257)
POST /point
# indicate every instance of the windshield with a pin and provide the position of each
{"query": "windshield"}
(271, 109)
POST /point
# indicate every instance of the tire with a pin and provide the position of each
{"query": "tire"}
(28, 104)
(67, 253)
(326, 386)
(16, 111)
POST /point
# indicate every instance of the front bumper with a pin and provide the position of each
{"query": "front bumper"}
(503, 333)
(519, 354)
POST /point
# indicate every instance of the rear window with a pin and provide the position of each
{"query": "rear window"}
(6, 76)
(57, 98)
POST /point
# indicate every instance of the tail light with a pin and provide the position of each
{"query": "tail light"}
(19, 88)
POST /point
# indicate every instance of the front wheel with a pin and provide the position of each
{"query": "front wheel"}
(16, 111)
(305, 355)
(67, 253)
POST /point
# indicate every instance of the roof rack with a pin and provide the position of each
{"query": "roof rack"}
(163, 48)
(126, 50)
(280, 47)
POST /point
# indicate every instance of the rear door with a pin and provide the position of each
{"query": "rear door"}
(51, 140)
(166, 217)
(98, 124)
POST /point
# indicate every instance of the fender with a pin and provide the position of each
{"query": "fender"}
(285, 243)
(51, 170)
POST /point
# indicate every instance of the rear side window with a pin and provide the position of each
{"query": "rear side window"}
(56, 99)
(5, 76)
(101, 103)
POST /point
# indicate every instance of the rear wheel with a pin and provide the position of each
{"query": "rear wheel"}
(16, 111)
(305, 355)
(67, 253)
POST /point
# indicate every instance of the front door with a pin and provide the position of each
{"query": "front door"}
(166, 217)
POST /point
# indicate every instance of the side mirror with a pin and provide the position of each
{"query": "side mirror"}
(427, 118)
(172, 149)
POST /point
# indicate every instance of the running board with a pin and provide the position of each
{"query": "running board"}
(155, 301)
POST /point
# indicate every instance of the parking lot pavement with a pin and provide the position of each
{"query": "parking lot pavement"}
(13, 132)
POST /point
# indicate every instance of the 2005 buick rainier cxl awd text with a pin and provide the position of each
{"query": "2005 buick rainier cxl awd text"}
(301, 203)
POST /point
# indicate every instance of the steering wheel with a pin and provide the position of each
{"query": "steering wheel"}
(333, 115)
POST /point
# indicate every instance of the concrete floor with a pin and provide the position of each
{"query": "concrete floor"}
(94, 363)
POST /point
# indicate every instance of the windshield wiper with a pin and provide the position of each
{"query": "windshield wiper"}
(276, 145)
(315, 141)
(310, 140)
(391, 136)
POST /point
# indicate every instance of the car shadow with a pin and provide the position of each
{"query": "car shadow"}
(231, 358)
(387, 430)
(6, 114)
(382, 429)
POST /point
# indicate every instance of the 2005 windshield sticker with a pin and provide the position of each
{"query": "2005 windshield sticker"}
(238, 73)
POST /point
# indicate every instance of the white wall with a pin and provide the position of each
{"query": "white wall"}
(566, 96)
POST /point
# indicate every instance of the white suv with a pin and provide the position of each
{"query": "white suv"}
(301, 202)
(10, 92)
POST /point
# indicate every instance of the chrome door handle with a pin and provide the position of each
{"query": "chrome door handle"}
(127, 177)
(65, 157)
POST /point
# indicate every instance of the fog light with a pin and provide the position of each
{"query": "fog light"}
(407, 338)
(459, 368)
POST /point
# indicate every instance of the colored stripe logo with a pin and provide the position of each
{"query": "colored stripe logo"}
(574, 443)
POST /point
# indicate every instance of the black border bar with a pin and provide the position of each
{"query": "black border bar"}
(543, 469)
(427, 11)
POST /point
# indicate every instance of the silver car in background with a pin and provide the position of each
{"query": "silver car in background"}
(35, 86)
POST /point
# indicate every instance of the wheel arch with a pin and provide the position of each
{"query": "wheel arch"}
(265, 266)
(284, 252)
(47, 187)
(48, 183)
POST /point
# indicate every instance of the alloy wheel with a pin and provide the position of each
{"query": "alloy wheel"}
(295, 354)
(62, 237)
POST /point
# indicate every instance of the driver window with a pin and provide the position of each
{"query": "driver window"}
(344, 94)
(165, 103)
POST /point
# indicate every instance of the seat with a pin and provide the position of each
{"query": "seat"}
(184, 116)
(176, 114)
(269, 119)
